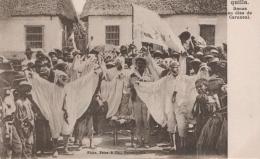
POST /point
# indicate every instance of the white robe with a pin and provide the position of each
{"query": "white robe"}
(158, 98)
(111, 90)
(153, 95)
(49, 98)
(79, 94)
(53, 101)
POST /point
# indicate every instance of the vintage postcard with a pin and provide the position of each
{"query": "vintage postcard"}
(127, 78)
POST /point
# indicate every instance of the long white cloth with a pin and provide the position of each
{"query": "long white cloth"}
(158, 98)
(54, 101)
(79, 94)
(112, 91)
(153, 94)
(49, 98)
(186, 95)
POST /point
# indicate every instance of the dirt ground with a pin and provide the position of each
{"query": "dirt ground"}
(104, 148)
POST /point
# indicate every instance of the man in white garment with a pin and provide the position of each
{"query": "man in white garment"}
(177, 96)
(139, 108)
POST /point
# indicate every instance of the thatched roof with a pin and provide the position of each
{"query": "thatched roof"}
(163, 7)
(62, 8)
(7, 7)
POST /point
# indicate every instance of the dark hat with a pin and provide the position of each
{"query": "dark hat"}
(208, 57)
(110, 65)
(58, 51)
(140, 57)
(123, 48)
(24, 86)
(28, 51)
(199, 53)
(213, 60)
(52, 53)
(16, 82)
(39, 54)
(190, 57)
(184, 36)
(61, 66)
(174, 64)
(214, 51)
(201, 81)
(24, 83)
(195, 61)
(158, 53)
(215, 84)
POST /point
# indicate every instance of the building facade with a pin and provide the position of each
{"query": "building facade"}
(39, 25)
(110, 22)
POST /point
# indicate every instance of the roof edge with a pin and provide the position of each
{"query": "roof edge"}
(85, 17)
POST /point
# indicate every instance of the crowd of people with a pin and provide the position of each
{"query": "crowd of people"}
(70, 93)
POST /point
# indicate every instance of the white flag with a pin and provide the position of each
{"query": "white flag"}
(150, 28)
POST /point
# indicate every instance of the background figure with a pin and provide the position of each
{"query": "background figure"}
(210, 133)
(12, 145)
(84, 124)
(200, 111)
(25, 119)
(100, 116)
(139, 108)
(42, 134)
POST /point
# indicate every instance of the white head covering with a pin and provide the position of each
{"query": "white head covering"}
(203, 71)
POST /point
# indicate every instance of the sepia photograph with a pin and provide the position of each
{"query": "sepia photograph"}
(113, 79)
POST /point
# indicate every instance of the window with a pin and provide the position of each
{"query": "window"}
(34, 36)
(207, 32)
(112, 34)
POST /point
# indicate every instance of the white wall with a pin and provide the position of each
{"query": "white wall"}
(12, 33)
(178, 23)
(97, 28)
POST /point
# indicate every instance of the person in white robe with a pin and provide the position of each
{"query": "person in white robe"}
(63, 105)
(140, 110)
(172, 107)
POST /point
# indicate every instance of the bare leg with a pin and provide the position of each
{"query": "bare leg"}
(172, 141)
(55, 146)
